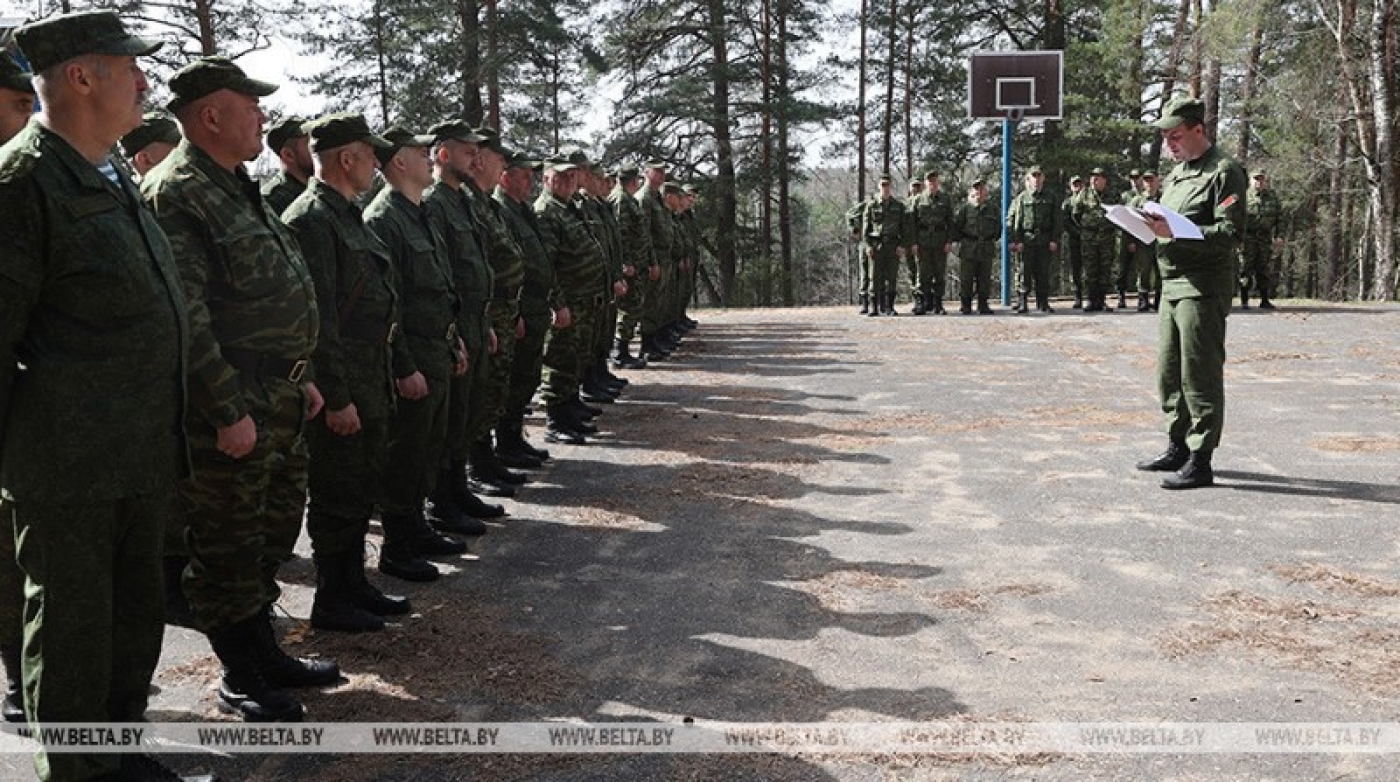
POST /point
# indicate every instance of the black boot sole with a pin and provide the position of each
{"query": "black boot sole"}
(409, 571)
(252, 711)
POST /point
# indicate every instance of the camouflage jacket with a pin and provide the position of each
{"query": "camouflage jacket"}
(356, 302)
(1034, 218)
(451, 213)
(1087, 210)
(633, 230)
(502, 250)
(1263, 215)
(280, 190)
(1210, 192)
(423, 277)
(539, 269)
(579, 259)
(977, 222)
(931, 220)
(658, 220)
(245, 282)
(883, 222)
(602, 221)
(90, 306)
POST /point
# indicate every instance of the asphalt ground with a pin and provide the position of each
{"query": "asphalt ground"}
(811, 516)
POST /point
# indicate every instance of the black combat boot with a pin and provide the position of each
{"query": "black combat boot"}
(966, 308)
(919, 304)
(464, 498)
(938, 306)
(1078, 298)
(1143, 304)
(560, 427)
(334, 605)
(889, 304)
(399, 556)
(1019, 307)
(511, 448)
(244, 690)
(1264, 303)
(1122, 299)
(370, 598)
(1169, 460)
(1042, 303)
(1244, 298)
(982, 307)
(653, 351)
(1195, 474)
(865, 304)
(12, 710)
(1091, 302)
(1156, 299)
(283, 670)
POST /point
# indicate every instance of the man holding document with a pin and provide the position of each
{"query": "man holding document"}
(1196, 258)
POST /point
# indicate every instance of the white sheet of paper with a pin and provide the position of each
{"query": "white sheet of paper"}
(1130, 220)
(1181, 227)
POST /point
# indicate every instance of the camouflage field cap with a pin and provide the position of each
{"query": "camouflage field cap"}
(1179, 109)
(885, 178)
(578, 157)
(399, 137)
(626, 173)
(559, 163)
(58, 39)
(1134, 174)
(284, 130)
(154, 127)
(13, 77)
(517, 159)
(1076, 180)
(690, 189)
(208, 75)
(490, 139)
(656, 163)
(931, 174)
(1100, 172)
(978, 182)
(1035, 171)
(671, 187)
(337, 130)
(1149, 175)
(454, 130)
(1258, 173)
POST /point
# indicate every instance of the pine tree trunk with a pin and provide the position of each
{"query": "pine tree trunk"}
(724, 184)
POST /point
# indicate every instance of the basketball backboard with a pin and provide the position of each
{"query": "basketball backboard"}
(1016, 85)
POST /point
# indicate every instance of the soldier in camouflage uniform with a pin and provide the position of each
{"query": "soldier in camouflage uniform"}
(356, 355)
(976, 229)
(655, 346)
(151, 143)
(691, 224)
(911, 260)
(432, 353)
(637, 256)
(931, 222)
(1098, 238)
(93, 346)
(287, 140)
(1034, 224)
(538, 303)
(599, 384)
(252, 315)
(1144, 256)
(882, 227)
(1263, 222)
(1127, 263)
(581, 276)
(451, 212)
(1073, 241)
(855, 218)
(492, 381)
(16, 108)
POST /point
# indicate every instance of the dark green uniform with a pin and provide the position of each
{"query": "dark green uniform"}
(1035, 222)
(637, 253)
(602, 221)
(538, 300)
(976, 228)
(932, 222)
(358, 310)
(883, 228)
(1144, 261)
(658, 220)
(428, 318)
(581, 276)
(1098, 238)
(253, 325)
(1198, 284)
(1074, 249)
(855, 221)
(280, 190)
(91, 431)
(1263, 220)
(451, 214)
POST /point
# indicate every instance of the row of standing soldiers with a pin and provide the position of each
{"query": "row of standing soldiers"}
(1102, 257)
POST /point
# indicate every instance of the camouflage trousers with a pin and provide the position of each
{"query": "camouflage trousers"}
(1256, 261)
(657, 314)
(884, 270)
(604, 327)
(1035, 270)
(1099, 253)
(417, 441)
(640, 290)
(94, 614)
(526, 370)
(489, 389)
(933, 271)
(975, 269)
(471, 327)
(566, 351)
(346, 477)
(1149, 277)
(240, 518)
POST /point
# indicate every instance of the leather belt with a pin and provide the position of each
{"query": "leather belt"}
(449, 334)
(289, 369)
(369, 331)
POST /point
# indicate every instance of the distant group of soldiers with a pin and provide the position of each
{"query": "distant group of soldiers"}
(922, 230)
(192, 361)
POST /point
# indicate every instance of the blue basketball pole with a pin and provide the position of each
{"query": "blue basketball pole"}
(1008, 130)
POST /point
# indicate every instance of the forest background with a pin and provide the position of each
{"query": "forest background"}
(783, 112)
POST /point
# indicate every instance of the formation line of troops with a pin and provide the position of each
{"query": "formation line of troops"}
(192, 365)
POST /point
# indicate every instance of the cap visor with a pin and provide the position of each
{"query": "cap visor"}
(379, 142)
(131, 46)
(1168, 122)
(255, 87)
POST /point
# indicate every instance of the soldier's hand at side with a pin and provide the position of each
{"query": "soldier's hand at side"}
(520, 328)
(948, 247)
(628, 270)
(620, 288)
(459, 366)
(1054, 247)
(493, 343)
(237, 441)
(415, 386)
(654, 273)
(899, 252)
(1132, 247)
(1015, 247)
(563, 318)
(345, 421)
(1278, 242)
(314, 400)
